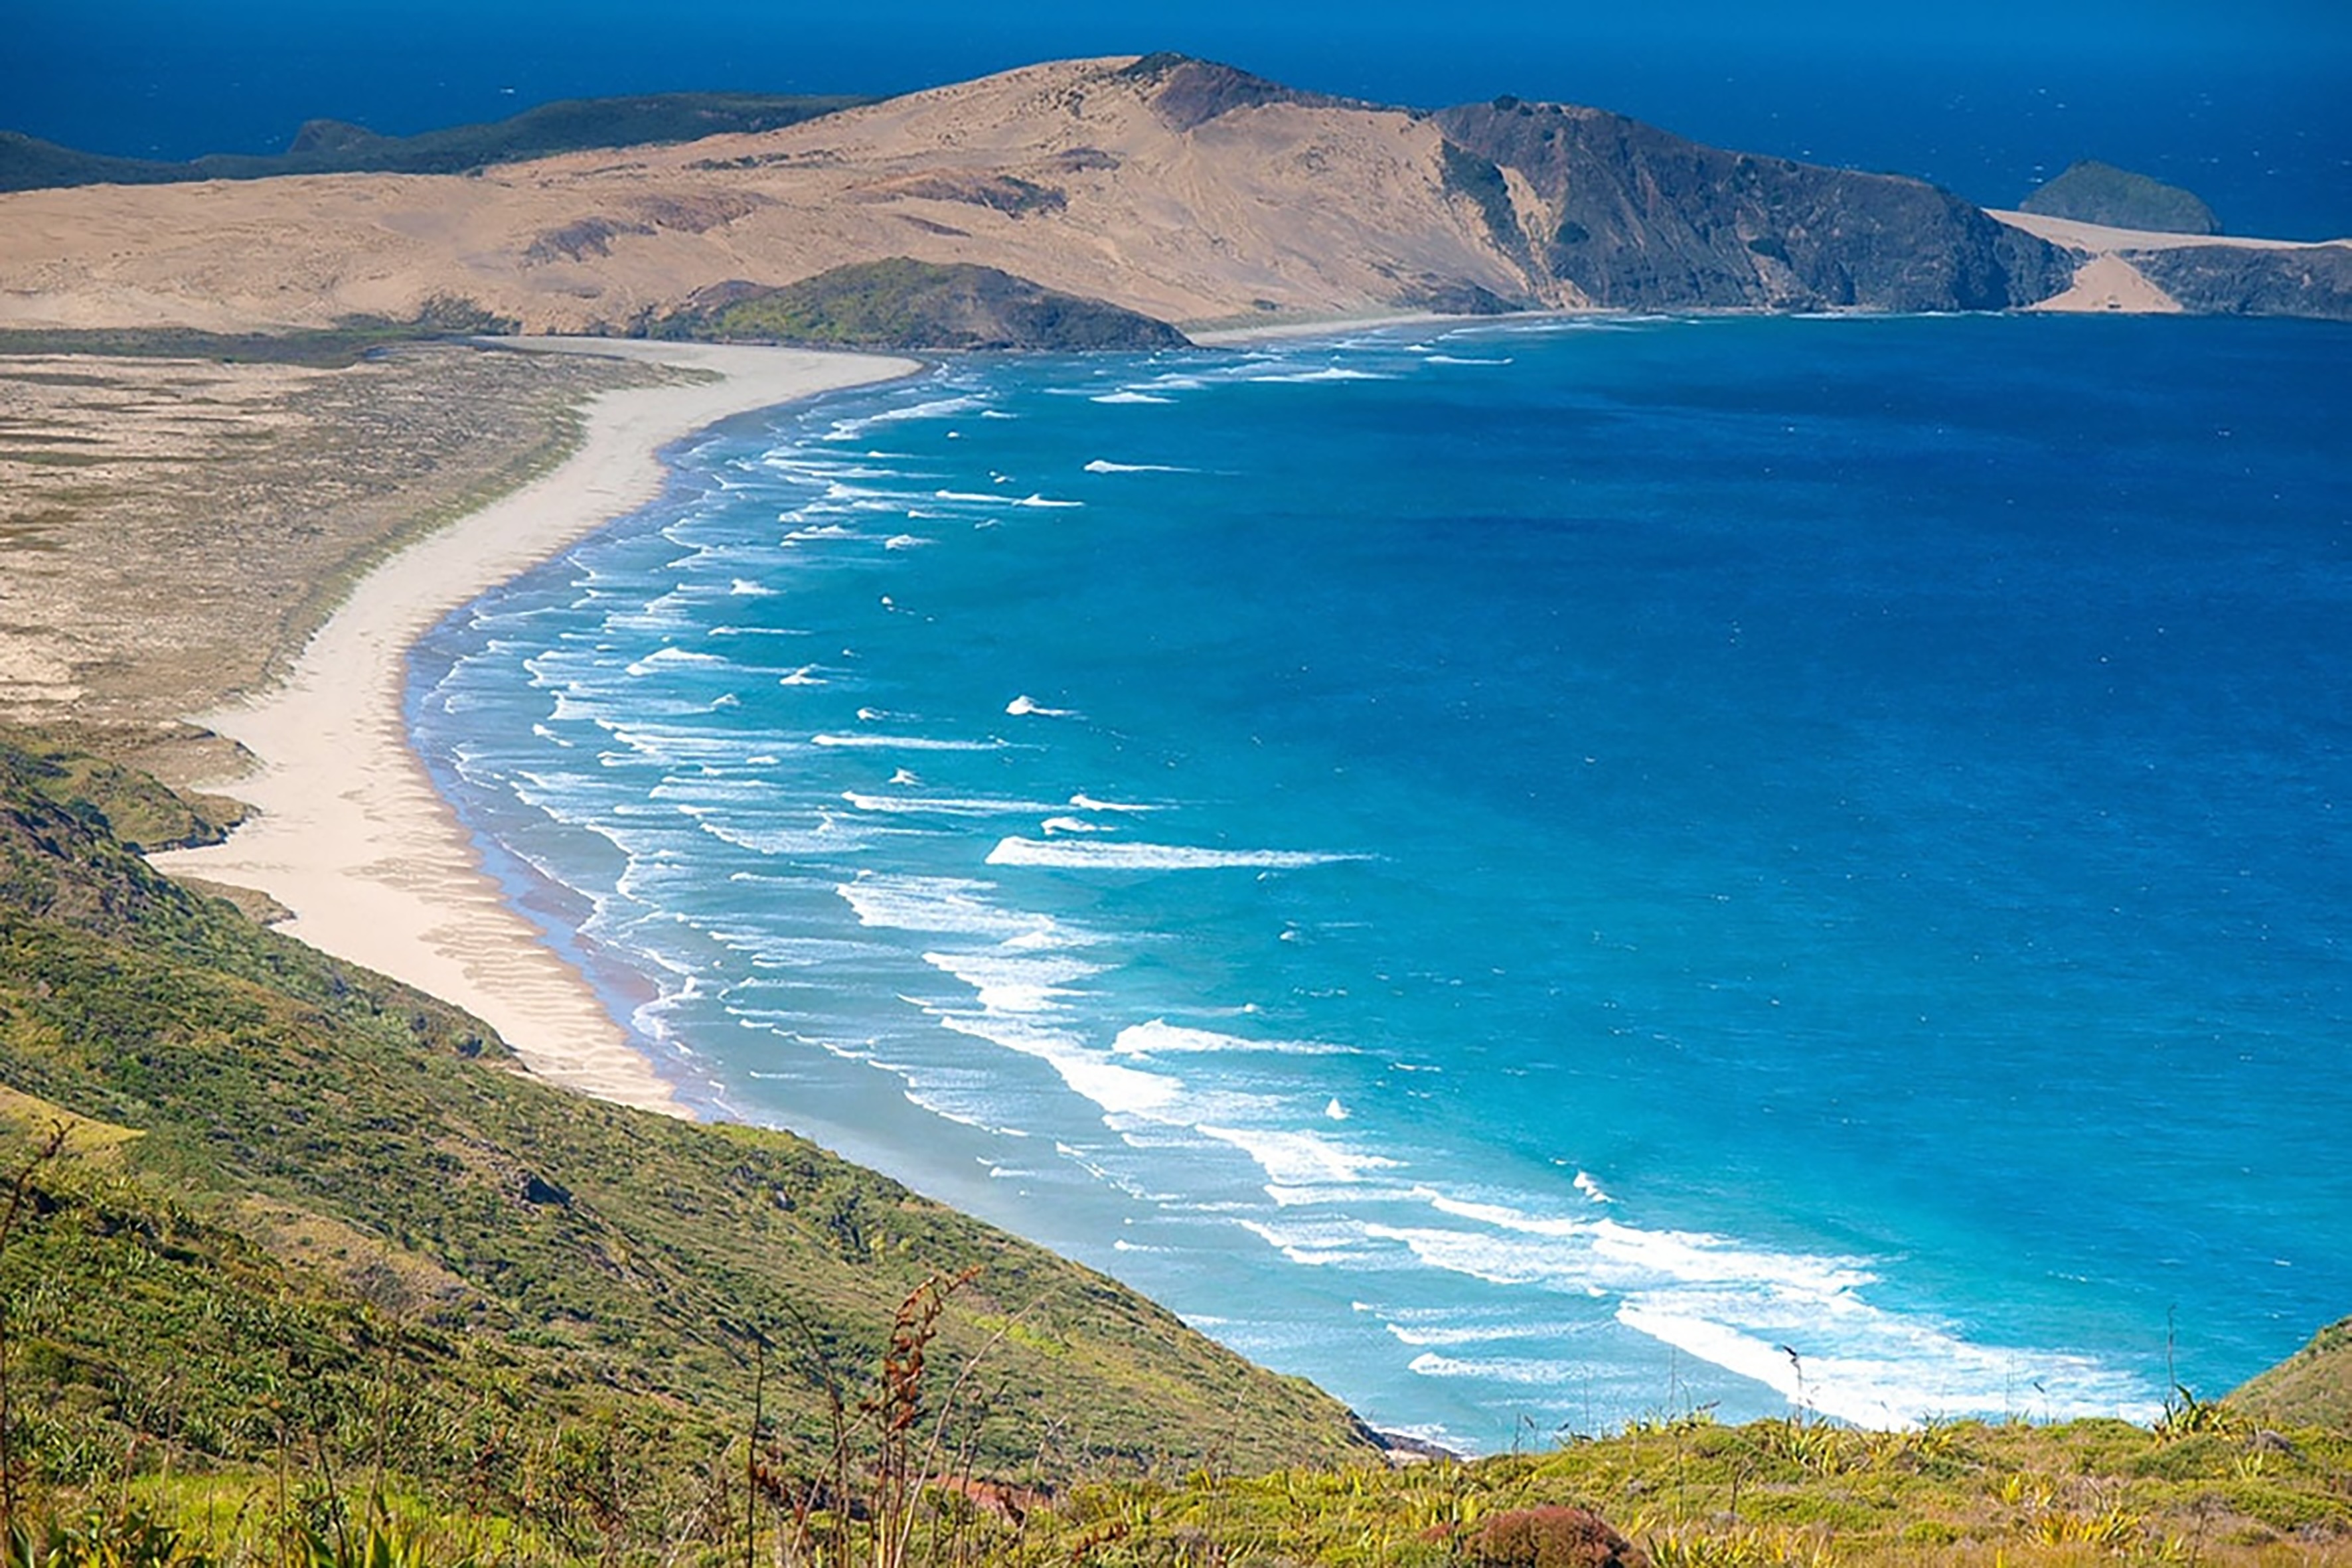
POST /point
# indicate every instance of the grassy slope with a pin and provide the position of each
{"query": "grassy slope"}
(327, 1160)
(906, 306)
(570, 125)
(2312, 1386)
(2093, 191)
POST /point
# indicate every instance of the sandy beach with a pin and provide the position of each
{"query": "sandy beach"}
(348, 832)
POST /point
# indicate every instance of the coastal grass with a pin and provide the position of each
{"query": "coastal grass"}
(337, 347)
(326, 146)
(1676, 1493)
(231, 507)
(901, 305)
(305, 1217)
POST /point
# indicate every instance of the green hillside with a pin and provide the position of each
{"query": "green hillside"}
(902, 305)
(301, 1209)
(2093, 191)
(332, 147)
(2311, 1387)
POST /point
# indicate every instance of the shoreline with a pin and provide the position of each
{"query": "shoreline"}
(348, 830)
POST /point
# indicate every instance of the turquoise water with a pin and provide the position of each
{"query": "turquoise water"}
(1532, 873)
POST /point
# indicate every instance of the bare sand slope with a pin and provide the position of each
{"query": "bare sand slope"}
(2097, 239)
(1067, 173)
(2113, 275)
(350, 833)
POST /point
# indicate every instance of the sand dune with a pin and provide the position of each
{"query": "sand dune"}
(1064, 174)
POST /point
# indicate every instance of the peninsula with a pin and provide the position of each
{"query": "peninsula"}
(1186, 191)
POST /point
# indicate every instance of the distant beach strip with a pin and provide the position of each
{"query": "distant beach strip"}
(349, 832)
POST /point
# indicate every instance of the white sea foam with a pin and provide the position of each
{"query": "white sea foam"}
(1009, 983)
(1095, 856)
(1526, 1373)
(1329, 373)
(1105, 466)
(1128, 395)
(1469, 1334)
(1043, 500)
(1088, 803)
(906, 743)
(1159, 1037)
(1072, 824)
(827, 838)
(951, 904)
(1463, 359)
(1026, 706)
(806, 675)
(1300, 1159)
(1876, 1369)
(1737, 1306)
(1116, 1089)
(1315, 1241)
(1591, 1189)
(672, 657)
(936, 408)
(939, 805)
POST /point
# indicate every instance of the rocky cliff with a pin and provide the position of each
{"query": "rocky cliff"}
(1603, 210)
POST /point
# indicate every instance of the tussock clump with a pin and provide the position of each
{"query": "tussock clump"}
(1553, 1537)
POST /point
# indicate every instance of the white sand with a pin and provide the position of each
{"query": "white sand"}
(2111, 283)
(348, 833)
(2097, 239)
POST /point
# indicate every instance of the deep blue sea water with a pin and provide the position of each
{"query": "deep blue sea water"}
(1532, 873)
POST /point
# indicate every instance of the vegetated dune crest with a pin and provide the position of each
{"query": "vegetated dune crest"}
(1074, 175)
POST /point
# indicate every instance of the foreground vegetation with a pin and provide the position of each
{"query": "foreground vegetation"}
(2209, 1488)
(273, 1211)
(296, 1268)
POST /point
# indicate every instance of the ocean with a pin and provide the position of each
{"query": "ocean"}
(1535, 872)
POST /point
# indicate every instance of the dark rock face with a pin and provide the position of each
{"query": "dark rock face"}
(1648, 220)
(2241, 280)
(331, 136)
(2092, 191)
(908, 305)
(541, 1192)
(1187, 92)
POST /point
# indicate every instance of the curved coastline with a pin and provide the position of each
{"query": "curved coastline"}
(347, 831)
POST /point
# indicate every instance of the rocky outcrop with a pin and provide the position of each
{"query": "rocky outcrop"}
(1187, 93)
(1608, 211)
(2241, 280)
(2093, 191)
(910, 306)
